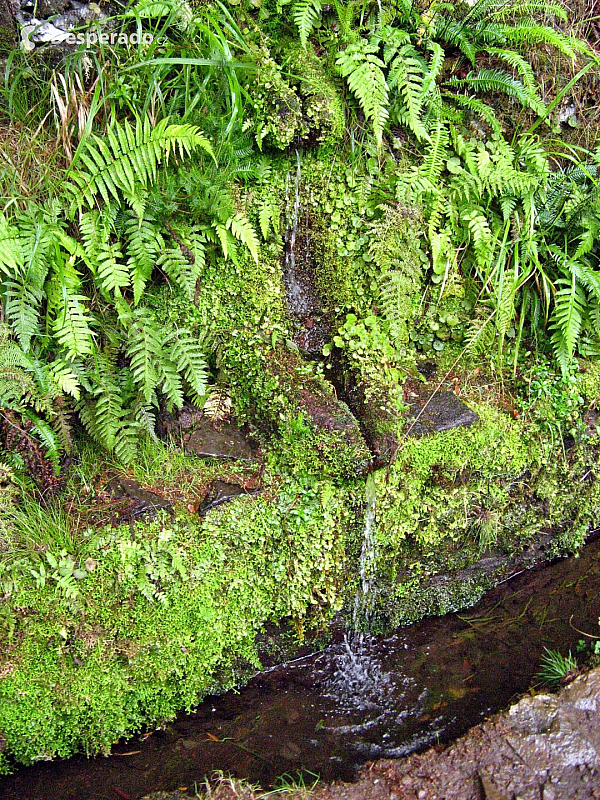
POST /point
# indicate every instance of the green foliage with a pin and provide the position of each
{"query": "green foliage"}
(124, 161)
(363, 70)
(170, 610)
(105, 351)
(555, 667)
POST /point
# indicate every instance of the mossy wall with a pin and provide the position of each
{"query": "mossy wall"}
(150, 619)
(142, 622)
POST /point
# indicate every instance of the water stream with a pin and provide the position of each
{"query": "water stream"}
(358, 682)
(431, 681)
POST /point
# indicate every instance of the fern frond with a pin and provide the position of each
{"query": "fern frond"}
(188, 356)
(306, 14)
(529, 33)
(116, 166)
(435, 161)
(144, 348)
(244, 232)
(526, 8)
(406, 76)
(144, 243)
(495, 80)
(72, 325)
(567, 319)
(11, 256)
(363, 71)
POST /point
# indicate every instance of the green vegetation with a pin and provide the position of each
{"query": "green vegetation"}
(554, 667)
(179, 220)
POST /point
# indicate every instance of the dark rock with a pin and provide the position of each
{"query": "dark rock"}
(345, 451)
(379, 421)
(8, 30)
(211, 439)
(313, 328)
(435, 412)
(48, 8)
(427, 369)
(220, 492)
(145, 503)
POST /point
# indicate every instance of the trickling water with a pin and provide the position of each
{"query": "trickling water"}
(358, 682)
(297, 297)
(305, 306)
(364, 600)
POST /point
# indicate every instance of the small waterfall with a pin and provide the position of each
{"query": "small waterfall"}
(364, 599)
(298, 301)
(358, 681)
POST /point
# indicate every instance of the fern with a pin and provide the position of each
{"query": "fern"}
(242, 230)
(187, 355)
(364, 73)
(529, 33)
(11, 256)
(495, 80)
(127, 158)
(144, 349)
(306, 14)
(144, 243)
(71, 327)
(407, 75)
(567, 319)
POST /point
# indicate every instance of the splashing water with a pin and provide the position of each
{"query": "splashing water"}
(368, 696)
(358, 681)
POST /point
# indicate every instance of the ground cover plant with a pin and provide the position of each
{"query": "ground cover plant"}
(415, 171)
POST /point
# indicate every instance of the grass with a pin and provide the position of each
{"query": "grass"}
(554, 667)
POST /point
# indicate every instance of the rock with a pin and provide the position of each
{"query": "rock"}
(313, 329)
(210, 439)
(371, 405)
(435, 412)
(338, 436)
(145, 503)
(8, 30)
(220, 492)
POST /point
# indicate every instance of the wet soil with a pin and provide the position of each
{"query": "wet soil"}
(426, 684)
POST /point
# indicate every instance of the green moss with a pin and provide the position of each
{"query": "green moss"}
(161, 616)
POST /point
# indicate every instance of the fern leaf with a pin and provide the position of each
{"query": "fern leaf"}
(363, 71)
(495, 80)
(71, 326)
(306, 14)
(243, 230)
(11, 256)
(128, 157)
(406, 76)
(189, 359)
(567, 319)
(144, 348)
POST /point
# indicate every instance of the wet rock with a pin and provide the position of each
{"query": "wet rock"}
(338, 437)
(221, 492)
(8, 31)
(210, 439)
(435, 412)
(313, 328)
(144, 503)
(371, 405)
